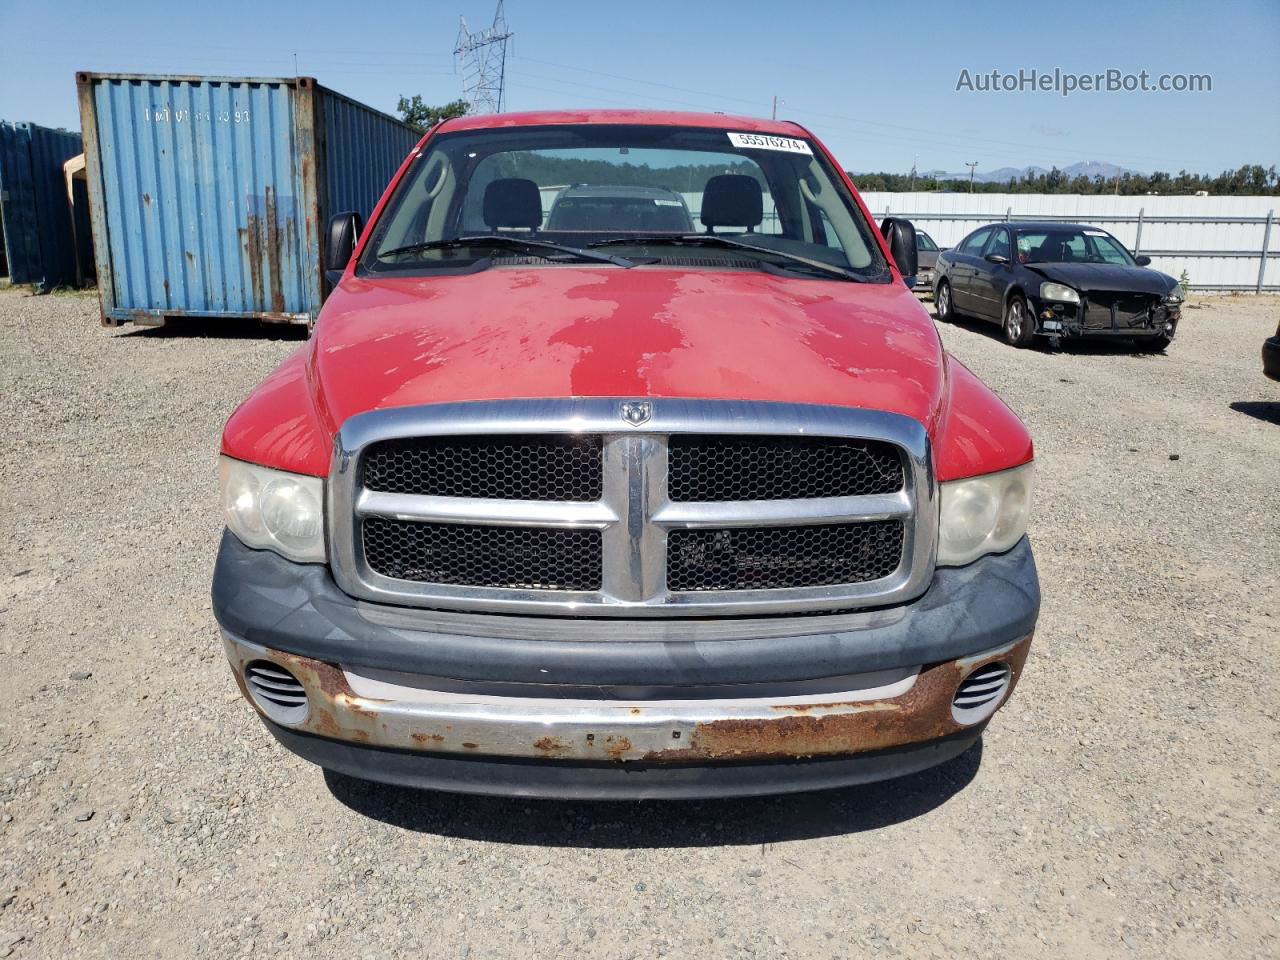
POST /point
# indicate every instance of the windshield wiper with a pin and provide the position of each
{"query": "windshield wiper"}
(719, 240)
(502, 240)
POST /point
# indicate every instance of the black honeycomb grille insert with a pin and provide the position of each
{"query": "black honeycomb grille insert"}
(705, 468)
(776, 558)
(519, 558)
(488, 468)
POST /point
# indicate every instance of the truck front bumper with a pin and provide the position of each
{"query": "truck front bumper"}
(1057, 319)
(692, 708)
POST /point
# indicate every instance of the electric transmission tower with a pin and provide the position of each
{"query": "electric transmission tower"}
(482, 61)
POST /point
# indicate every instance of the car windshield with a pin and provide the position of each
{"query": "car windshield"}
(924, 242)
(504, 195)
(1071, 245)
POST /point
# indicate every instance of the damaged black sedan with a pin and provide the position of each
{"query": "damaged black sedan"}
(1056, 280)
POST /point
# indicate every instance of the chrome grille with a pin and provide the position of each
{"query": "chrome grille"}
(778, 558)
(780, 468)
(704, 508)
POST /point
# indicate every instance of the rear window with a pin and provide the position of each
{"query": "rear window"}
(602, 213)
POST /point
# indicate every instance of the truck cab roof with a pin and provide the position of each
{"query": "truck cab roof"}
(657, 118)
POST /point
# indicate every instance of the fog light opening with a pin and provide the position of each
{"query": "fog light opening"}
(980, 693)
(276, 692)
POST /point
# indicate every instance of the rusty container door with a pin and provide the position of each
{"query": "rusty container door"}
(202, 196)
(361, 149)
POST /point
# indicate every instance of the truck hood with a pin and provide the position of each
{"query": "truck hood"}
(605, 331)
(1106, 277)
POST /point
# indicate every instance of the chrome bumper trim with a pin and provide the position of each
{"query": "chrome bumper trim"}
(882, 709)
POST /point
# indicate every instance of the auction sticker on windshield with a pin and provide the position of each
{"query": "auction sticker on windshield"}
(758, 141)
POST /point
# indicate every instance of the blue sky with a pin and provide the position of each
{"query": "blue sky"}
(876, 82)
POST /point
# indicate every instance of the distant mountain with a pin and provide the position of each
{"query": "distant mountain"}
(1088, 168)
(1096, 168)
(1004, 174)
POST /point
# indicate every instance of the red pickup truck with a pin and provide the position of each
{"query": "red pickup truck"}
(608, 510)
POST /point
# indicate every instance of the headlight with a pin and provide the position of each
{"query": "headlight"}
(1058, 291)
(1174, 295)
(267, 508)
(986, 514)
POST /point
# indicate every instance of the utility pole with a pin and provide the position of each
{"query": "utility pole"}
(776, 101)
(914, 162)
(482, 59)
(972, 166)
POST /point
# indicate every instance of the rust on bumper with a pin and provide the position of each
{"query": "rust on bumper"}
(918, 710)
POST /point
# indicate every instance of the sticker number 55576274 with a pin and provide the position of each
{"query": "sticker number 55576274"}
(760, 141)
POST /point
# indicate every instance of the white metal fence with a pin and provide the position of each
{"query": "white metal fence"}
(1223, 243)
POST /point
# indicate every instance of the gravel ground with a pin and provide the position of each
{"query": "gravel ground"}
(1124, 804)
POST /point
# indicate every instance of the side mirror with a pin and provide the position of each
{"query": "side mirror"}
(901, 237)
(339, 243)
(1142, 261)
(996, 258)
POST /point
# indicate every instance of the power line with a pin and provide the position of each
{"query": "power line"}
(651, 83)
(930, 136)
(482, 57)
(640, 99)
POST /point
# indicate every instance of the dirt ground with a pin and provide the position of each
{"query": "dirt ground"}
(1123, 804)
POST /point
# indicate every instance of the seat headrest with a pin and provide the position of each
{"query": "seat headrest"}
(512, 202)
(732, 200)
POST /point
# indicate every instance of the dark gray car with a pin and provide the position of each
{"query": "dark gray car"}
(1056, 280)
(1271, 356)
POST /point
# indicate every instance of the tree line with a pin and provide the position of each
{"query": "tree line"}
(1248, 180)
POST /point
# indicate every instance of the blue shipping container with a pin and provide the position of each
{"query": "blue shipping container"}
(35, 217)
(209, 195)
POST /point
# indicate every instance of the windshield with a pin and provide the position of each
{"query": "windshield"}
(661, 188)
(1071, 246)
